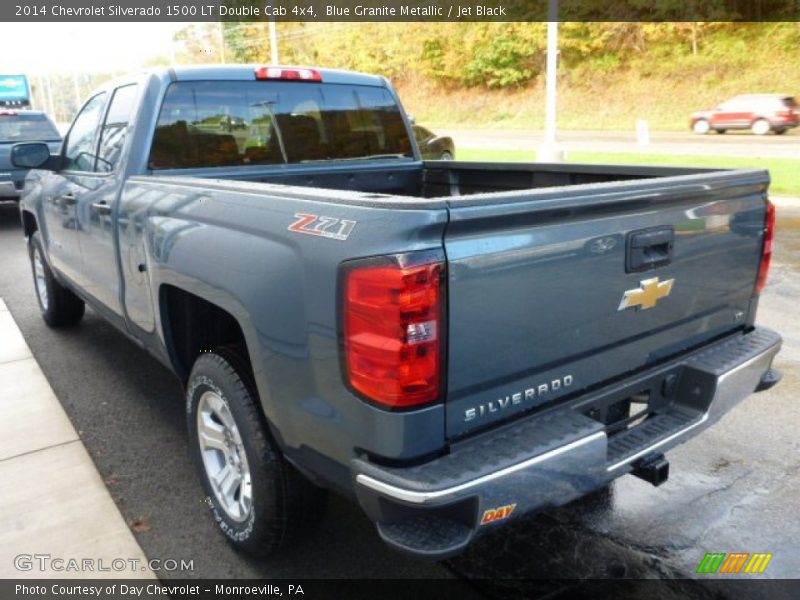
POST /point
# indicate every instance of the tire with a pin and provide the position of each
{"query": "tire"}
(780, 131)
(760, 127)
(59, 306)
(701, 126)
(221, 399)
(721, 131)
(446, 156)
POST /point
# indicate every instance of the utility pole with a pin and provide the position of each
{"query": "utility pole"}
(221, 43)
(273, 42)
(49, 89)
(77, 87)
(549, 152)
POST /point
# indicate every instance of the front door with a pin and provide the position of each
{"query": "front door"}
(63, 189)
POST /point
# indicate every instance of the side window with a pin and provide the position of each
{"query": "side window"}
(112, 135)
(79, 152)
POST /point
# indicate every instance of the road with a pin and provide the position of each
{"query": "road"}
(732, 489)
(733, 143)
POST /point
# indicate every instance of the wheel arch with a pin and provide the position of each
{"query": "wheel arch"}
(192, 325)
(29, 223)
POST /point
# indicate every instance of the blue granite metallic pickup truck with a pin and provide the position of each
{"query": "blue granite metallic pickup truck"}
(450, 344)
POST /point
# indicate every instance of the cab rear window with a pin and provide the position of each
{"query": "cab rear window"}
(19, 127)
(226, 123)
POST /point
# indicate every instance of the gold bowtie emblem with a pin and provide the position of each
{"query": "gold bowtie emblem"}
(647, 294)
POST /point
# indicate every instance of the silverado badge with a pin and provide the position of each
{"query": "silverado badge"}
(647, 294)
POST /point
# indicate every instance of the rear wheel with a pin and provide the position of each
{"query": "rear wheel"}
(259, 501)
(701, 126)
(760, 127)
(721, 130)
(59, 306)
(780, 131)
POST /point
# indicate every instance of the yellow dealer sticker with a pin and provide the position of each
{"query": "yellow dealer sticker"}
(497, 514)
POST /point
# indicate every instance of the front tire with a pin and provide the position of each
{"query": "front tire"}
(60, 307)
(701, 126)
(761, 127)
(260, 502)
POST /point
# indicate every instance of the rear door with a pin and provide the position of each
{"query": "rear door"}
(96, 209)
(548, 296)
(734, 113)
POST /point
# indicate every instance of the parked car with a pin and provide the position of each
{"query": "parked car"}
(451, 345)
(432, 146)
(761, 113)
(22, 126)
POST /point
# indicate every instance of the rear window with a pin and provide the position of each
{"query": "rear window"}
(223, 123)
(27, 128)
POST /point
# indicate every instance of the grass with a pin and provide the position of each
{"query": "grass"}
(785, 172)
(662, 82)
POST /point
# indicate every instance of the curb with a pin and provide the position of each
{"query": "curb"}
(58, 518)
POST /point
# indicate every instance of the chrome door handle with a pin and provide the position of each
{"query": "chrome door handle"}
(101, 208)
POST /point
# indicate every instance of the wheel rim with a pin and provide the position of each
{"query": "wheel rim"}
(39, 279)
(760, 127)
(224, 458)
(701, 126)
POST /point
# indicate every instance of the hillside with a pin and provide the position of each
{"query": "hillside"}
(663, 84)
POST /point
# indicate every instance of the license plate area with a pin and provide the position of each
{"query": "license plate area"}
(627, 408)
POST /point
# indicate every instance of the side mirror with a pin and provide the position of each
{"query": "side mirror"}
(32, 155)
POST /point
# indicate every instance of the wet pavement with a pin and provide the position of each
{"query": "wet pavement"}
(732, 489)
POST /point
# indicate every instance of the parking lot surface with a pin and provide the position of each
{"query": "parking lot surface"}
(733, 489)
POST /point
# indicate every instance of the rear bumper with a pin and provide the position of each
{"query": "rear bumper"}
(435, 509)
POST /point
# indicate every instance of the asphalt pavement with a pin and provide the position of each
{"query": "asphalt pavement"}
(734, 488)
(733, 143)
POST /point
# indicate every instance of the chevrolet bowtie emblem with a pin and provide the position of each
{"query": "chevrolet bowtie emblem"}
(647, 294)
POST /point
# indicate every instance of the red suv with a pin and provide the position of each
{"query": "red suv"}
(761, 113)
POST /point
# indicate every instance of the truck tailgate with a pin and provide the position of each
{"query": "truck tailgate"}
(547, 295)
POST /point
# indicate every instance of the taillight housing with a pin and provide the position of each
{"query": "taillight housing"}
(393, 318)
(766, 249)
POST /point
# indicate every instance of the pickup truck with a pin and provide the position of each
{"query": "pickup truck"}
(450, 344)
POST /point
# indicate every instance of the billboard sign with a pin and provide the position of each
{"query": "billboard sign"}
(14, 90)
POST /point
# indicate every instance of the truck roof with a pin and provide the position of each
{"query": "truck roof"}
(245, 73)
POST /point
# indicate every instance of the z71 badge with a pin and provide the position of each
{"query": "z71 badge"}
(329, 227)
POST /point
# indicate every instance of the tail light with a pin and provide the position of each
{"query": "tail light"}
(288, 74)
(766, 251)
(393, 321)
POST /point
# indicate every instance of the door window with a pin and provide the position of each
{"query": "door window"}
(112, 136)
(79, 152)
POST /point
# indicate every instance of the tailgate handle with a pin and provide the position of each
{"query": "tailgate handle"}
(648, 249)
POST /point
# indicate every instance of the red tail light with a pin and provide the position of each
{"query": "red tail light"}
(393, 327)
(288, 74)
(766, 252)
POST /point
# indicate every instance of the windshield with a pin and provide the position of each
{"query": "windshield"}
(223, 123)
(27, 128)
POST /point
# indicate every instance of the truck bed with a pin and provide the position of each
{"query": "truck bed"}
(536, 259)
(435, 179)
